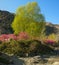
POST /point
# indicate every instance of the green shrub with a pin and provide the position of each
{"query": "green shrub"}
(23, 47)
(3, 46)
(36, 47)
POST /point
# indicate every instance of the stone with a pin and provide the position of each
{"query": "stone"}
(55, 63)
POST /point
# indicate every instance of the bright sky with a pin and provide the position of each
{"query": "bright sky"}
(49, 8)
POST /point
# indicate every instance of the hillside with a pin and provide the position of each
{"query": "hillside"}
(52, 28)
(6, 19)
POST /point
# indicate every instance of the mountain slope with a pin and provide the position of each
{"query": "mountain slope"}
(6, 19)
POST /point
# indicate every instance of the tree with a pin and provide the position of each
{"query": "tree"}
(29, 19)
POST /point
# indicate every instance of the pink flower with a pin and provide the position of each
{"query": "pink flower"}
(50, 42)
(12, 36)
(7, 37)
(23, 35)
(4, 37)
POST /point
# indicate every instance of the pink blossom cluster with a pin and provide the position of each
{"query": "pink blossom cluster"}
(7, 37)
(22, 35)
(50, 41)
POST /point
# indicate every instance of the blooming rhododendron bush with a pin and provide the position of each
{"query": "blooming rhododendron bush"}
(49, 40)
(7, 37)
(23, 36)
(20, 36)
(4, 37)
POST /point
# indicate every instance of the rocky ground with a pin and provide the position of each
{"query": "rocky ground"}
(36, 60)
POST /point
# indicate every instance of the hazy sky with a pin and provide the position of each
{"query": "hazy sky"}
(49, 8)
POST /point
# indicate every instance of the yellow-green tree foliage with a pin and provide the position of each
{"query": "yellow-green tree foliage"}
(29, 19)
(52, 37)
